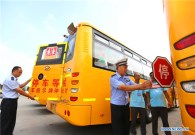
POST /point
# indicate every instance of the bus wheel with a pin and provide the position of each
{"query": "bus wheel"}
(148, 115)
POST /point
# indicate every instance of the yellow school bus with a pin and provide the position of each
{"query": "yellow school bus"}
(90, 62)
(47, 77)
(181, 28)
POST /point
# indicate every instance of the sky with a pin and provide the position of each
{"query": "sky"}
(26, 24)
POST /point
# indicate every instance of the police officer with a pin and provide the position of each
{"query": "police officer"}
(156, 101)
(10, 92)
(120, 86)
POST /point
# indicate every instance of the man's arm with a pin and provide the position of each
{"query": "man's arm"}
(167, 97)
(19, 90)
(143, 86)
(148, 100)
(25, 83)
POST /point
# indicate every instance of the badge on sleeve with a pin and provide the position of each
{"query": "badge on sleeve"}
(127, 80)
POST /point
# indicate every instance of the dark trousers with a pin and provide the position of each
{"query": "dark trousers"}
(120, 119)
(142, 114)
(163, 113)
(8, 116)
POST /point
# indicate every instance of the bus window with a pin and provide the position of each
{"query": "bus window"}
(128, 53)
(147, 71)
(143, 61)
(97, 37)
(129, 69)
(136, 57)
(71, 45)
(149, 64)
(135, 65)
(146, 68)
(115, 46)
(130, 72)
(52, 54)
(103, 56)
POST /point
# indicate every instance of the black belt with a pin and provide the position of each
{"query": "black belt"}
(127, 105)
(10, 98)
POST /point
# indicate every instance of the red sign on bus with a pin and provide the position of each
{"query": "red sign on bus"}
(163, 71)
(50, 51)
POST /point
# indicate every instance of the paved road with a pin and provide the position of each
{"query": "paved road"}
(33, 119)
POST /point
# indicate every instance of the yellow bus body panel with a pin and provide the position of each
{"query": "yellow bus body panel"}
(181, 23)
(50, 87)
(50, 92)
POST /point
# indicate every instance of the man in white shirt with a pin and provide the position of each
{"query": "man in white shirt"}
(11, 91)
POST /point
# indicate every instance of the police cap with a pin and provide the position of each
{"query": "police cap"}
(122, 62)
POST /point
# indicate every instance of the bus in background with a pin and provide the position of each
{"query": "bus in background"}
(90, 62)
(47, 76)
(181, 28)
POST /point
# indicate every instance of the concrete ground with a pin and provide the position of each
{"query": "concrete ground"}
(34, 119)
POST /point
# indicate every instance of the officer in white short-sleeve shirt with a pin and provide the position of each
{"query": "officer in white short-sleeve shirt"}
(11, 91)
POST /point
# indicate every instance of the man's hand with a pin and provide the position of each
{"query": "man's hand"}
(29, 79)
(149, 106)
(19, 90)
(32, 98)
(147, 84)
(169, 104)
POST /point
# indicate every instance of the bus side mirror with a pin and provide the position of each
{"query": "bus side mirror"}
(71, 29)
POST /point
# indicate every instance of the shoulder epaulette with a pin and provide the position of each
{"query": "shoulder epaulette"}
(113, 75)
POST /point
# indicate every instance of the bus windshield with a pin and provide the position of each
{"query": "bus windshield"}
(52, 54)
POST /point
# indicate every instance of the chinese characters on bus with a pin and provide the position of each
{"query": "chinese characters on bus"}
(48, 86)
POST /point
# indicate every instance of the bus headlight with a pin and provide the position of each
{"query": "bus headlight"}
(188, 86)
(186, 63)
